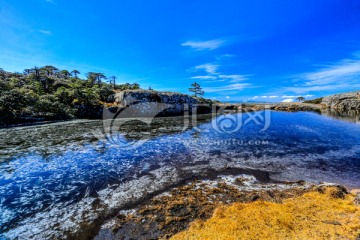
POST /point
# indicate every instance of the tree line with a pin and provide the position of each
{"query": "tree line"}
(51, 93)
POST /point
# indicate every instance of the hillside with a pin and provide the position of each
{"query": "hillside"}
(48, 93)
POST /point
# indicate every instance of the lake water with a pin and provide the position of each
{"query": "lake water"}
(52, 176)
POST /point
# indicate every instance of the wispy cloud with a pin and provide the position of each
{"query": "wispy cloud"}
(204, 77)
(271, 97)
(208, 68)
(234, 78)
(307, 96)
(46, 32)
(288, 100)
(263, 97)
(230, 87)
(347, 69)
(204, 45)
(343, 75)
(230, 82)
(212, 74)
(50, 1)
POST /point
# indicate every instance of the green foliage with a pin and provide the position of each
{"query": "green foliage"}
(51, 106)
(300, 99)
(12, 103)
(127, 86)
(196, 89)
(206, 100)
(106, 94)
(53, 93)
(314, 101)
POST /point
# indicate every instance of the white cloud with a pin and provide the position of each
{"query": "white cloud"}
(212, 71)
(345, 69)
(234, 78)
(204, 77)
(263, 97)
(340, 76)
(287, 96)
(288, 100)
(46, 32)
(50, 1)
(204, 45)
(230, 87)
(208, 67)
(230, 82)
(227, 97)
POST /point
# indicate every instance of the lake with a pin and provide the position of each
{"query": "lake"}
(54, 177)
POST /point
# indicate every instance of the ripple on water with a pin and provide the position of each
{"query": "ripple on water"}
(58, 176)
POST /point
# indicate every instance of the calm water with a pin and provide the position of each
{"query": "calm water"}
(51, 171)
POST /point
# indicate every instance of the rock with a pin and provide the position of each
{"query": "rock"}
(90, 112)
(357, 199)
(343, 101)
(294, 107)
(145, 103)
(334, 191)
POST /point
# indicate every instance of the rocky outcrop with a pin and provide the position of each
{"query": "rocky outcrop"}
(295, 107)
(343, 101)
(145, 103)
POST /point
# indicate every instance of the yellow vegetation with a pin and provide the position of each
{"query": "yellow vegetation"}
(315, 215)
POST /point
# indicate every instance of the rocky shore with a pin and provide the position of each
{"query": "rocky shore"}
(343, 101)
(325, 212)
(148, 103)
(194, 203)
(174, 103)
(294, 107)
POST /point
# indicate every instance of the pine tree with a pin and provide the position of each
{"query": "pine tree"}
(196, 89)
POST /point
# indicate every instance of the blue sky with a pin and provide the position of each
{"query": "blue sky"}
(236, 50)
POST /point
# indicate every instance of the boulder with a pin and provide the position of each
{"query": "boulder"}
(343, 101)
(148, 103)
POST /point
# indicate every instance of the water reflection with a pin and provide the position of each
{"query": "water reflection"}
(348, 115)
(57, 138)
(57, 166)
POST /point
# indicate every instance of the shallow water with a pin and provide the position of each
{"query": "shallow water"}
(50, 173)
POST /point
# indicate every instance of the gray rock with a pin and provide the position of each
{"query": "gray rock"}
(146, 103)
(343, 101)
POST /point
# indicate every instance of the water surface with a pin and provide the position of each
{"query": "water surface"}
(49, 172)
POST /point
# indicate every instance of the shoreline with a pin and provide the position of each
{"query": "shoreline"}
(229, 108)
(86, 218)
(163, 187)
(173, 211)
